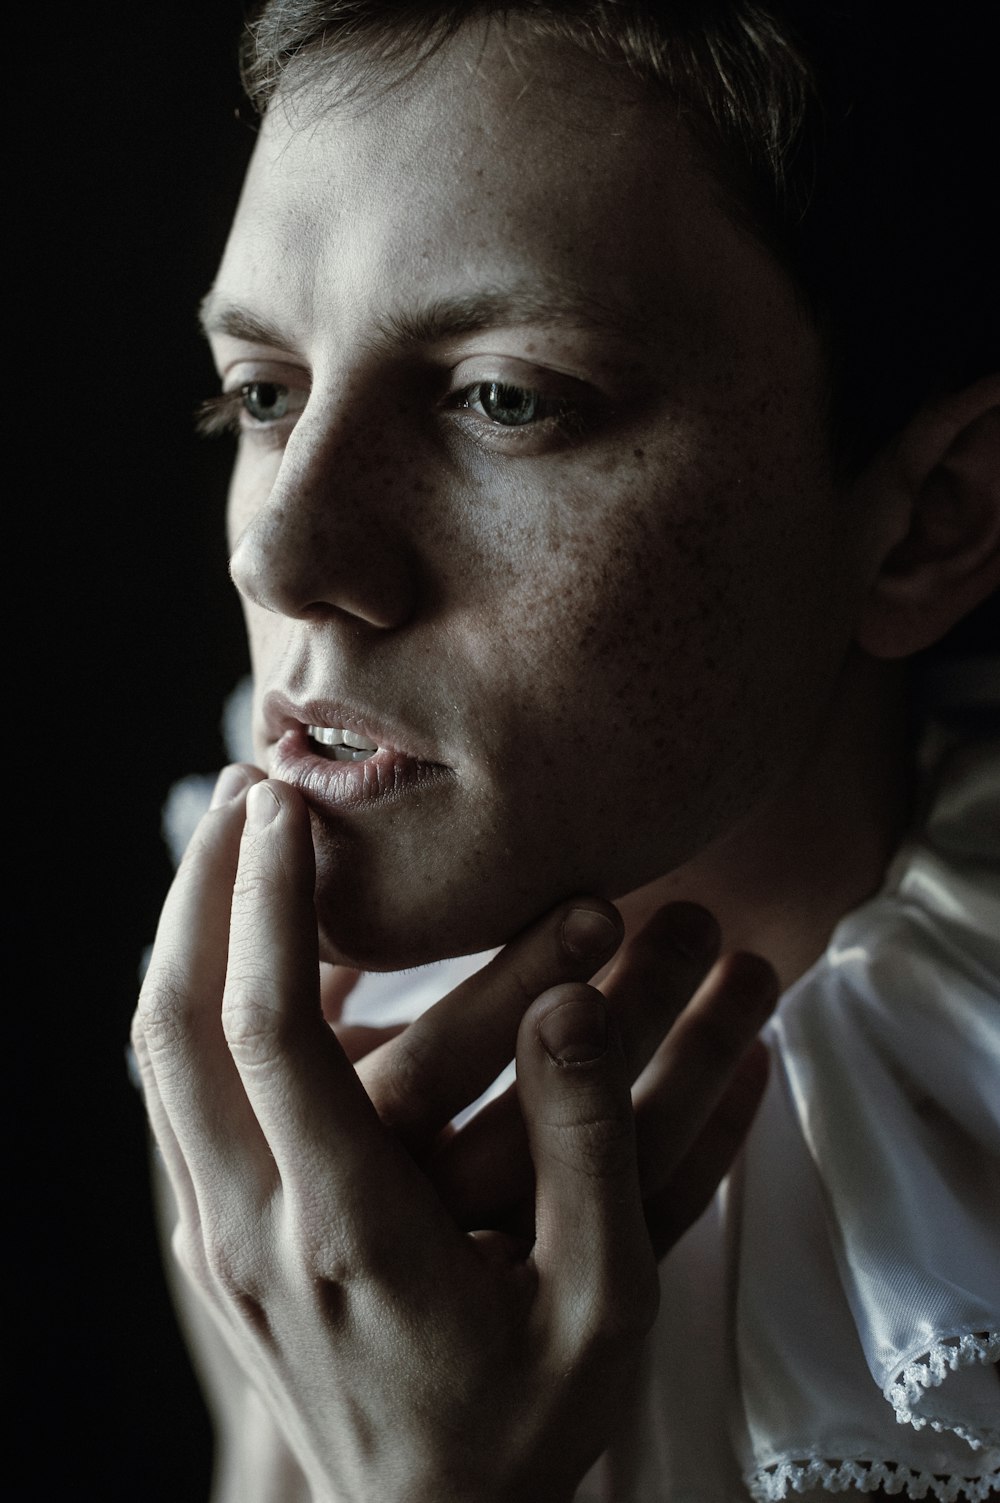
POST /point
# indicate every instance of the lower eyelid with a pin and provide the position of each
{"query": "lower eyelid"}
(528, 439)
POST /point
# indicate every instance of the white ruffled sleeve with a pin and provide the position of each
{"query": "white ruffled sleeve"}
(833, 1324)
(889, 1066)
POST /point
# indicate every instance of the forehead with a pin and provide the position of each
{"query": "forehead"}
(499, 165)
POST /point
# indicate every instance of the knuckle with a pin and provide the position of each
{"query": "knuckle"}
(260, 886)
(407, 1076)
(598, 1146)
(251, 1024)
(232, 1263)
(255, 883)
(163, 1013)
(330, 1266)
(188, 1253)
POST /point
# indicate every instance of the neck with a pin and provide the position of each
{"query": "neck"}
(819, 846)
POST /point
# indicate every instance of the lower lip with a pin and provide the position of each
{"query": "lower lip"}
(383, 777)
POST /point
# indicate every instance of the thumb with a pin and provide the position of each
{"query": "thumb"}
(592, 1250)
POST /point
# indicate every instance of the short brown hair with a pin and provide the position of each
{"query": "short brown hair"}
(852, 135)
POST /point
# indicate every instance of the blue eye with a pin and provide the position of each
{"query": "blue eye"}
(256, 406)
(512, 406)
(264, 401)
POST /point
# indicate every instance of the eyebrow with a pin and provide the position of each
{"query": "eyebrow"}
(495, 307)
(441, 318)
(229, 318)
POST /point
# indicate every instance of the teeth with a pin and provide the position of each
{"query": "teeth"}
(354, 748)
(360, 743)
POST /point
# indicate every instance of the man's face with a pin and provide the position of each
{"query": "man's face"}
(533, 492)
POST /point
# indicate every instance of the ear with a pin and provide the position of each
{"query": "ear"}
(942, 555)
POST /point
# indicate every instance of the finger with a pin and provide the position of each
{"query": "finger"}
(679, 1204)
(164, 1138)
(360, 1039)
(196, 1104)
(485, 1170)
(328, 1143)
(449, 1056)
(336, 982)
(688, 1075)
(656, 973)
(592, 1250)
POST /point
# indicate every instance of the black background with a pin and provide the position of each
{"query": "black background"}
(123, 638)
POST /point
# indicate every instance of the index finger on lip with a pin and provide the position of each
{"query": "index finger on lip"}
(313, 1111)
(199, 1110)
(454, 1051)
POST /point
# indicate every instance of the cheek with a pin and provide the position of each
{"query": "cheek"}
(630, 596)
(682, 637)
(248, 492)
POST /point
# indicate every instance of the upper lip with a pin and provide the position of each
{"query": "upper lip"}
(282, 713)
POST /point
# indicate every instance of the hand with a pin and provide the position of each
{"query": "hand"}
(688, 1023)
(402, 1356)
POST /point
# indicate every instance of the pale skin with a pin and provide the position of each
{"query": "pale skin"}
(651, 647)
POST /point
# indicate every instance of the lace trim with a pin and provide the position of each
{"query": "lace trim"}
(929, 1371)
(773, 1483)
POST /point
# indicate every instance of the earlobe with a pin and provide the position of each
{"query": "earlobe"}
(947, 561)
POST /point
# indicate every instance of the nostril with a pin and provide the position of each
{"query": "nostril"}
(291, 570)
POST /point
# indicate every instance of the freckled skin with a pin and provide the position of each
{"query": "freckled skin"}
(623, 639)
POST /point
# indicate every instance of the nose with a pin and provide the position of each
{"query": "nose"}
(324, 542)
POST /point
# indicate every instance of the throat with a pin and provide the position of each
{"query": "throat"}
(816, 850)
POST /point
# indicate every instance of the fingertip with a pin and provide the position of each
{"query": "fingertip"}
(262, 806)
(267, 798)
(572, 1025)
(232, 782)
(591, 934)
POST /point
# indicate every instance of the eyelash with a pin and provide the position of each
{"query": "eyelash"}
(228, 412)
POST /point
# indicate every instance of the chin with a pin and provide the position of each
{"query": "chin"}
(352, 935)
(390, 922)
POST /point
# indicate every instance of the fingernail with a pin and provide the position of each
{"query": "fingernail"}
(262, 806)
(576, 1031)
(231, 781)
(588, 935)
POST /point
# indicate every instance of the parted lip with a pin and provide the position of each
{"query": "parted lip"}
(282, 713)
